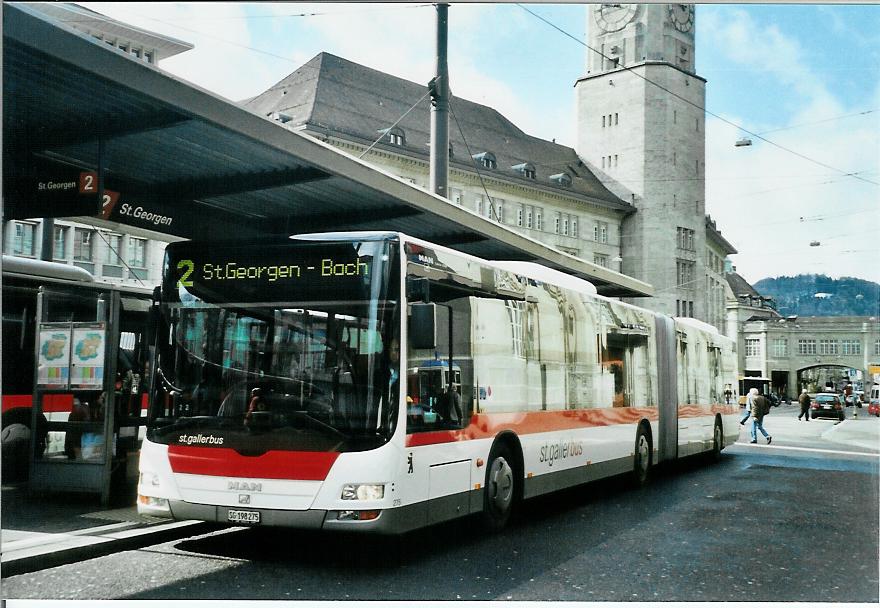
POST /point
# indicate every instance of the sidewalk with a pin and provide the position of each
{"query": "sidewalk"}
(43, 531)
(861, 433)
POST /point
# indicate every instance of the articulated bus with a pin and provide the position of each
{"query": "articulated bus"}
(283, 370)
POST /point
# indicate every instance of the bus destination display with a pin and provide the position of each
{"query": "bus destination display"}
(269, 273)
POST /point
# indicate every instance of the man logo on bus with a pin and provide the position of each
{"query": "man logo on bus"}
(245, 486)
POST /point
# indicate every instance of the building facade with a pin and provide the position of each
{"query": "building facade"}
(629, 197)
(799, 353)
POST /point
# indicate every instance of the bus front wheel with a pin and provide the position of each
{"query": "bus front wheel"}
(498, 495)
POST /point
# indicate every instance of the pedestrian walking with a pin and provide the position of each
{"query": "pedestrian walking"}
(753, 392)
(804, 400)
(760, 408)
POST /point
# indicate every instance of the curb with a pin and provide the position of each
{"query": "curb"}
(99, 546)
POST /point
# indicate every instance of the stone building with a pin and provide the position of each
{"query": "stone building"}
(630, 196)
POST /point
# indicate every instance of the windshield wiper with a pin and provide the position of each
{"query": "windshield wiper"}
(320, 423)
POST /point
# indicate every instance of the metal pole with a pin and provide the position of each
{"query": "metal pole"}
(48, 239)
(439, 172)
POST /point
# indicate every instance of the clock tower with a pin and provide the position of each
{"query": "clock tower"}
(641, 127)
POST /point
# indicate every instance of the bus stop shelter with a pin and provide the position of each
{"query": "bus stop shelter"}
(84, 122)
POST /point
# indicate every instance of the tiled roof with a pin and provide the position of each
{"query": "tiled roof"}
(351, 101)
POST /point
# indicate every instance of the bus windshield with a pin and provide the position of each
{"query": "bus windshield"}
(277, 347)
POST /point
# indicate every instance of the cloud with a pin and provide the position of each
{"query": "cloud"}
(773, 201)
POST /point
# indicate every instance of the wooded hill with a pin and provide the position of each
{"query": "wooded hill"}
(819, 295)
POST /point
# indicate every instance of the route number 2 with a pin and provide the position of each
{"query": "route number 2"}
(184, 279)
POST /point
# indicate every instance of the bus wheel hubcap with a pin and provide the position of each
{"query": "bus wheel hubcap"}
(501, 484)
(643, 454)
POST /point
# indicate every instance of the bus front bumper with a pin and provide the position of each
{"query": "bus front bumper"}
(389, 521)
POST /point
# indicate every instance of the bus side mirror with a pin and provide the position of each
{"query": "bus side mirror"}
(423, 326)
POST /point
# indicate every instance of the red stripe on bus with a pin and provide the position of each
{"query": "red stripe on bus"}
(484, 426)
(226, 462)
(51, 403)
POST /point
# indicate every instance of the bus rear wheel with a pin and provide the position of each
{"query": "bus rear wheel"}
(642, 458)
(717, 440)
(499, 495)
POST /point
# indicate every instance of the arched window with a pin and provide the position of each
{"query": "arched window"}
(394, 136)
(486, 160)
(561, 179)
(527, 170)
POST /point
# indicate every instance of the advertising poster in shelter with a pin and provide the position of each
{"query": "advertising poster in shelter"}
(87, 357)
(53, 356)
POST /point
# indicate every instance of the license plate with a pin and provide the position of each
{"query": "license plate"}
(243, 517)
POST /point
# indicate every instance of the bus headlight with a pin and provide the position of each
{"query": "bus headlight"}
(363, 491)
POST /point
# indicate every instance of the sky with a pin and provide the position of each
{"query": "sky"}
(802, 81)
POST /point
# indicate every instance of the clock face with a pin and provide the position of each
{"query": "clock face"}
(682, 16)
(614, 17)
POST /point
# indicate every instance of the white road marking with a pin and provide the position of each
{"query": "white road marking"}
(816, 450)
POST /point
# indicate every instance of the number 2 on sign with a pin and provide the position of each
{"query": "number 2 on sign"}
(184, 279)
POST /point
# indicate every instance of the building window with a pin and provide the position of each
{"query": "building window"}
(561, 179)
(574, 226)
(496, 210)
(455, 196)
(556, 223)
(806, 347)
(519, 216)
(851, 347)
(828, 347)
(23, 239)
(137, 252)
(600, 232)
(394, 136)
(600, 260)
(691, 309)
(478, 205)
(82, 244)
(685, 239)
(877, 347)
(529, 216)
(60, 247)
(615, 118)
(113, 253)
(753, 347)
(539, 219)
(527, 170)
(780, 347)
(685, 273)
(486, 160)
(603, 121)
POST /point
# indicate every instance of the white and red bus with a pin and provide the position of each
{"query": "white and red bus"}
(72, 295)
(280, 398)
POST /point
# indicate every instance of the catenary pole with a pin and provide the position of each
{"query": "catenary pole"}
(439, 85)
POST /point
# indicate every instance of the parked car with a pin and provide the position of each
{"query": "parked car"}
(827, 405)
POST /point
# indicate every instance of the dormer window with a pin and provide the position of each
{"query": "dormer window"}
(486, 160)
(527, 170)
(394, 136)
(561, 179)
